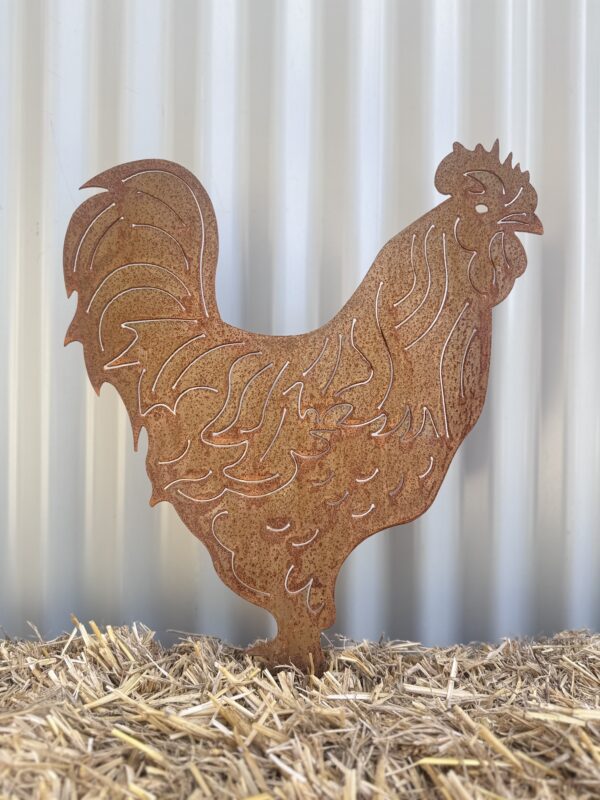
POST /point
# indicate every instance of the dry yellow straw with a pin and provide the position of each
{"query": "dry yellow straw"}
(110, 713)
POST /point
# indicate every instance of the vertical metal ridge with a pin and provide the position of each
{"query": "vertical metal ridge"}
(45, 315)
(555, 186)
(292, 153)
(583, 383)
(514, 354)
(27, 330)
(9, 281)
(335, 242)
(64, 142)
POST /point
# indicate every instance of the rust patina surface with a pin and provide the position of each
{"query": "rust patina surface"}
(283, 453)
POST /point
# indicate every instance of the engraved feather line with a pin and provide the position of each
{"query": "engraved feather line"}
(336, 365)
(131, 265)
(464, 359)
(516, 197)
(426, 413)
(284, 528)
(127, 326)
(362, 355)
(166, 233)
(166, 405)
(127, 291)
(232, 553)
(397, 488)
(173, 354)
(232, 465)
(306, 588)
(200, 214)
(241, 400)
(445, 295)
(339, 500)
(428, 470)
(360, 515)
(318, 358)
(308, 541)
(229, 388)
(228, 490)
(277, 432)
(157, 199)
(267, 399)
(399, 424)
(471, 259)
(201, 479)
(87, 230)
(101, 239)
(301, 414)
(457, 320)
(426, 295)
(387, 349)
(369, 477)
(177, 458)
(202, 355)
(412, 263)
(324, 481)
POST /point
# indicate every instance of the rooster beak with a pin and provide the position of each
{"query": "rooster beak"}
(520, 221)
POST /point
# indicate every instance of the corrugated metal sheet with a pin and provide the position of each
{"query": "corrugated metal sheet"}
(316, 128)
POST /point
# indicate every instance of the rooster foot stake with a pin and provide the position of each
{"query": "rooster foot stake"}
(306, 654)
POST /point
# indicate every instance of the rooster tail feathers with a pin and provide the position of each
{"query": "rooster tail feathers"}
(168, 203)
(103, 180)
(141, 255)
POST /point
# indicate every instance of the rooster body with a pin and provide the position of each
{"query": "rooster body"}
(282, 453)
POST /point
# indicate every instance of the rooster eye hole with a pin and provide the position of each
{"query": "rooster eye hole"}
(481, 208)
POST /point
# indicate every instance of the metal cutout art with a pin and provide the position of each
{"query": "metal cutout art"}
(283, 453)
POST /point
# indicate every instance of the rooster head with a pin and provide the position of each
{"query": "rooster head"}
(494, 201)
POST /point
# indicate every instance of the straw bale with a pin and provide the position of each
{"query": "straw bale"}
(111, 713)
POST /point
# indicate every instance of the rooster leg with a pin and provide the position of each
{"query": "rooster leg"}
(298, 641)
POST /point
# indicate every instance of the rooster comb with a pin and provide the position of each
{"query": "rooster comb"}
(453, 174)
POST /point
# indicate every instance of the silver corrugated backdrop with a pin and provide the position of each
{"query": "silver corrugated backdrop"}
(316, 128)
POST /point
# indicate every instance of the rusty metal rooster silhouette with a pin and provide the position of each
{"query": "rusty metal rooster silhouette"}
(283, 453)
